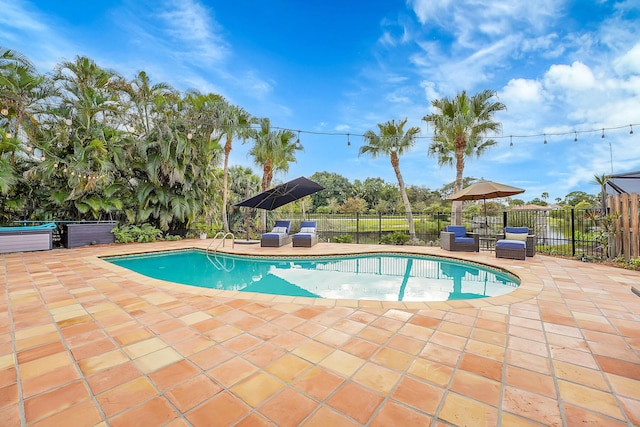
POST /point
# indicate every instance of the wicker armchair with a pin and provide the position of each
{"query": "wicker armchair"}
(456, 238)
(515, 243)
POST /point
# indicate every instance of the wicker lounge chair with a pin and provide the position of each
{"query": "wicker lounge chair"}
(456, 238)
(277, 237)
(307, 236)
(515, 243)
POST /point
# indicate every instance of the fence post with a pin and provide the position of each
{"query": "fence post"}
(379, 226)
(573, 233)
(357, 227)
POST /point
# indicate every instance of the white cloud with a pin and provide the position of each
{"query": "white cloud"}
(523, 91)
(190, 22)
(576, 76)
(629, 63)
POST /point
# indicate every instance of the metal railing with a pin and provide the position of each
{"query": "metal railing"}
(569, 232)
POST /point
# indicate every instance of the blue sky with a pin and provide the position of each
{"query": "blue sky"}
(335, 67)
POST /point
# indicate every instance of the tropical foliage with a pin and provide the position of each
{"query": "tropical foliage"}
(85, 143)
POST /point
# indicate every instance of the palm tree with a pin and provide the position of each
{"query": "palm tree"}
(393, 141)
(274, 151)
(459, 127)
(602, 180)
(232, 121)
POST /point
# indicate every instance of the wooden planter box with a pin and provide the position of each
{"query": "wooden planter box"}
(25, 239)
(79, 234)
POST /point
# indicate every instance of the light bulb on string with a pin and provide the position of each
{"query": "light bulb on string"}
(348, 141)
(298, 140)
(4, 111)
(42, 158)
(602, 133)
(545, 138)
(29, 148)
(575, 138)
(131, 128)
(189, 135)
(511, 140)
(631, 131)
(8, 134)
(68, 121)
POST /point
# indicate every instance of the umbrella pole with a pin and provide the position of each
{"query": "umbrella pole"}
(486, 222)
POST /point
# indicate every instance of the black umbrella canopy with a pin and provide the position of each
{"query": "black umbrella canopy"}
(282, 194)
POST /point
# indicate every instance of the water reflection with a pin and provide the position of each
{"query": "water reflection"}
(373, 277)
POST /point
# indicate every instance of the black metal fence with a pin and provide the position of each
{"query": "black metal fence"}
(570, 232)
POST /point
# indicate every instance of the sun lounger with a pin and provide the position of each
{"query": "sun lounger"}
(307, 236)
(278, 236)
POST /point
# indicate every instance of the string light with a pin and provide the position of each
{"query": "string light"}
(68, 121)
(545, 138)
(4, 111)
(189, 135)
(575, 138)
(348, 141)
(298, 145)
(602, 133)
(511, 140)
(8, 134)
(631, 131)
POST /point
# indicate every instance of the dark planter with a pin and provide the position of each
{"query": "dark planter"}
(80, 234)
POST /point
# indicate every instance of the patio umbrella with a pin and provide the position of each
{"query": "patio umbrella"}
(282, 194)
(483, 190)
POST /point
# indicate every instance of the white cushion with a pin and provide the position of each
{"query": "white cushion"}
(307, 229)
(516, 236)
(279, 230)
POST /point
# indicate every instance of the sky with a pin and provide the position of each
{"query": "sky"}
(333, 69)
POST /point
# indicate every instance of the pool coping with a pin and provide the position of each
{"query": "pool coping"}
(530, 284)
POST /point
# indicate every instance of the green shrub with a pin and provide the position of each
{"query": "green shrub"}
(133, 233)
(345, 238)
(171, 237)
(395, 238)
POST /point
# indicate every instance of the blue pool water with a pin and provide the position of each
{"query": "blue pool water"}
(386, 277)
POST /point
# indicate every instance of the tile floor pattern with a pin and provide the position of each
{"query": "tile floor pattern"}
(87, 343)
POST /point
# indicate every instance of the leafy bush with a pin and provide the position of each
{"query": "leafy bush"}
(395, 238)
(345, 238)
(171, 237)
(133, 233)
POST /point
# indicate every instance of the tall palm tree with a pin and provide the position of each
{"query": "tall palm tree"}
(393, 141)
(274, 151)
(602, 180)
(232, 121)
(459, 127)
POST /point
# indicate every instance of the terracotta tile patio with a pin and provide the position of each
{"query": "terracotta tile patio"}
(87, 343)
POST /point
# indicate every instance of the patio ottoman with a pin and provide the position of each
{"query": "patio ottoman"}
(514, 249)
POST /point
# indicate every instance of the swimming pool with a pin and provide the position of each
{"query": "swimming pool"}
(386, 277)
